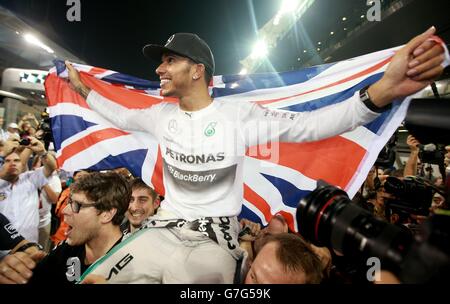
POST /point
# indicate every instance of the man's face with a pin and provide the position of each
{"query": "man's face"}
(141, 207)
(83, 226)
(267, 269)
(13, 130)
(437, 202)
(12, 166)
(176, 74)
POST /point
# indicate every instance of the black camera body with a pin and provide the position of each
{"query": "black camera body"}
(412, 195)
(25, 141)
(45, 126)
(432, 154)
(328, 218)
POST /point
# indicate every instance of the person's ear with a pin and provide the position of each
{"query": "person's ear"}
(156, 202)
(108, 215)
(199, 70)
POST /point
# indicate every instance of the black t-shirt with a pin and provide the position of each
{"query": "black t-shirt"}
(63, 265)
(9, 236)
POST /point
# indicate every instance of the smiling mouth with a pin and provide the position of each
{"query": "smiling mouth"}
(164, 82)
(136, 215)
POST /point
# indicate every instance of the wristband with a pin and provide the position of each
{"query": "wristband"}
(28, 245)
(365, 98)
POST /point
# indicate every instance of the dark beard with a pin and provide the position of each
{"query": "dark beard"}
(12, 178)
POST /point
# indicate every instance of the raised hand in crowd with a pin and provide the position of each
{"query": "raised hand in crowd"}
(38, 148)
(411, 164)
(10, 144)
(412, 143)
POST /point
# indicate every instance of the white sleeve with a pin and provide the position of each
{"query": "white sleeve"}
(123, 118)
(55, 183)
(38, 178)
(263, 125)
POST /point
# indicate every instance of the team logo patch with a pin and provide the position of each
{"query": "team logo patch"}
(10, 228)
(210, 131)
(173, 126)
(2, 196)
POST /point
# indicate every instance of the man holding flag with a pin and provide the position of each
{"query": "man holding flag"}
(193, 237)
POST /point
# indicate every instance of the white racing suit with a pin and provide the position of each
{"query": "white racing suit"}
(203, 154)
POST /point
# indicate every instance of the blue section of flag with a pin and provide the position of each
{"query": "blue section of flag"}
(132, 160)
(246, 213)
(235, 84)
(66, 126)
(137, 83)
(59, 65)
(291, 195)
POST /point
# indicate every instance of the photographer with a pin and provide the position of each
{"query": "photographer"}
(19, 201)
(44, 130)
(27, 125)
(328, 218)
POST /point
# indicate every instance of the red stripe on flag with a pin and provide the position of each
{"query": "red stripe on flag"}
(59, 91)
(334, 159)
(121, 95)
(157, 177)
(95, 71)
(260, 203)
(256, 200)
(352, 77)
(289, 219)
(88, 141)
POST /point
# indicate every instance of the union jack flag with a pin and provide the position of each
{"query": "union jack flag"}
(84, 139)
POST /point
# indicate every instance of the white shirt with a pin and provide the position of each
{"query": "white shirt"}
(46, 205)
(203, 151)
(19, 202)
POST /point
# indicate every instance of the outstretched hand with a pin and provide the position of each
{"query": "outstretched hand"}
(412, 68)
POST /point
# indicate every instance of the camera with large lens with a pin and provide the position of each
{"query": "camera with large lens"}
(412, 195)
(45, 126)
(327, 217)
(432, 154)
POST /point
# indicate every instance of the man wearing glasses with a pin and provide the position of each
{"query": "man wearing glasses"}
(96, 208)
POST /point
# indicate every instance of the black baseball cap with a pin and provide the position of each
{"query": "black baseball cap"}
(184, 44)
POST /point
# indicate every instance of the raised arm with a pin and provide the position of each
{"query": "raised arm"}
(124, 118)
(411, 163)
(48, 159)
(412, 68)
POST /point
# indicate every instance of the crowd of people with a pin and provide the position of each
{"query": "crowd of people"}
(111, 227)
